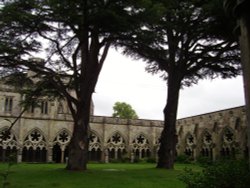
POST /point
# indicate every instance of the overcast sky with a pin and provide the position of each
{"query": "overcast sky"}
(125, 80)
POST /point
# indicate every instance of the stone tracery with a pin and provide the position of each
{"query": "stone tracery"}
(95, 151)
(116, 146)
(8, 144)
(190, 144)
(60, 143)
(207, 144)
(141, 146)
(228, 142)
(34, 147)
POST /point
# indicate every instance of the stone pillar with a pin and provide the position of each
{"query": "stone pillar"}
(103, 155)
(19, 155)
(62, 155)
(195, 153)
(116, 153)
(140, 154)
(216, 151)
(50, 154)
(132, 160)
(106, 155)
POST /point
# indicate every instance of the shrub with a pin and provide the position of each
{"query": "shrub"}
(5, 174)
(225, 174)
(151, 160)
(183, 159)
(204, 161)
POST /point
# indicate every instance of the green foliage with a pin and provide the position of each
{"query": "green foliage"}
(223, 174)
(187, 45)
(5, 174)
(73, 37)
(197, 45)
(204, 161)
(124, 110)
(183, 159)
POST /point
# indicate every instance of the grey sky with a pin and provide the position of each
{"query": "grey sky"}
(125, 80)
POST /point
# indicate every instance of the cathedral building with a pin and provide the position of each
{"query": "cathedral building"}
(43, 133)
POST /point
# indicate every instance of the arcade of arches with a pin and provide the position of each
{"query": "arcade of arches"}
(44, 137)
(43, 133)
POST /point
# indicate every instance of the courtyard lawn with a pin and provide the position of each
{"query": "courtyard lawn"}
(97, 176)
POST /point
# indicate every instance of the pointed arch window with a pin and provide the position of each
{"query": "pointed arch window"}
(60, 109)
(44, 107)
(8, 104)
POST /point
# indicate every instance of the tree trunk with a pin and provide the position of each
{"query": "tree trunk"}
(168, 138)
(79, 143)
(78, 147)
(244, 21)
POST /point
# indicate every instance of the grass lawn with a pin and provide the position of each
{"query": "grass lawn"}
(97, 176)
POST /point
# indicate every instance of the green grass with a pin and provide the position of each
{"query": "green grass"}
(97, 176)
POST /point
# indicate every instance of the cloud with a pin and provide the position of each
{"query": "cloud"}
(125, 80)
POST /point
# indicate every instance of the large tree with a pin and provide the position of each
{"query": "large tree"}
(189, 44)
(124, 110)
(74, 36)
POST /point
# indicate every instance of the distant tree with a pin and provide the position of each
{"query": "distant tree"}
(75, 37)
(192, 42)
(124, 110)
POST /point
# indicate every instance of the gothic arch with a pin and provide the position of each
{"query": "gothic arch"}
(141, 146)
(8, 139)
(94, 141)
(116, 146)
(34, 146)
(38, 137)
(190, 144)
(228, 142)
(237, 125)
(206, 144)
(95, 147)
(8, 144)
(60, 143)
(62, 137)
(180, 131)
(61, 107)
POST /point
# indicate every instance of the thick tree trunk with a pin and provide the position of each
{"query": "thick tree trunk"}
(78, 147)
(244, 21)
(79, 144)
(168, 138)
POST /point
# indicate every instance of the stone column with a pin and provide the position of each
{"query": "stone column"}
(106, 156)
(116, 153)
(19, 155)
(195, 152)
(62, 155)
(132, 157)
(102, 156)
(140, 154)
(49, 154)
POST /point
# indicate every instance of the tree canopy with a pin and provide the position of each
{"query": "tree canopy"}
(192, 41)
(73, 38)
(124, 110)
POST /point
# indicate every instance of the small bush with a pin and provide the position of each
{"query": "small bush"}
(204, 161)
(225, 174)
(183, 159)
(151, 160)
(5, 174)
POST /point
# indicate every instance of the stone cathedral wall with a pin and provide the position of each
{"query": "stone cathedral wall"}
(42, 135)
